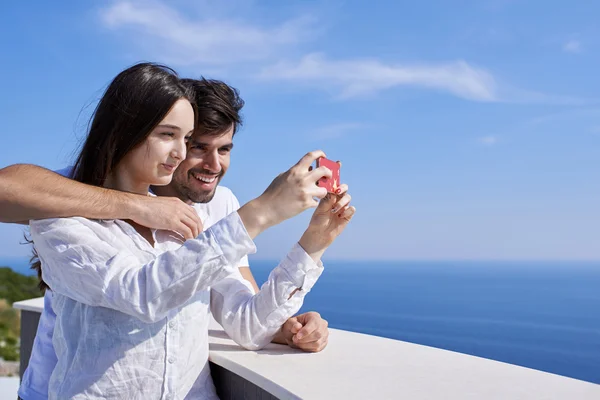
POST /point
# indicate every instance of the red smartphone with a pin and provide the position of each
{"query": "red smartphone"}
(331, 184)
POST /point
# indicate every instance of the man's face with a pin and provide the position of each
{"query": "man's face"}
(207, 160)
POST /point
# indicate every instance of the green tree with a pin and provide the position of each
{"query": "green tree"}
(13, 287)
(17, 287)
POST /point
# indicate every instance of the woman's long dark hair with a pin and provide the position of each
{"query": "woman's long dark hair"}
(131, 107)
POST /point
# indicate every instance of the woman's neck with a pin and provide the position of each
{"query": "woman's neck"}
(125, 183)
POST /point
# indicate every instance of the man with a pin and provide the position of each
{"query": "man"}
(29, 192)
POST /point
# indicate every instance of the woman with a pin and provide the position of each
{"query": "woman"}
(129, 300)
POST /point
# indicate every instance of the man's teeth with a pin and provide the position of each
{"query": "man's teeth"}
(204, 179)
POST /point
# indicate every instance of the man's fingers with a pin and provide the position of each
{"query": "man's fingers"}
(310, 325)
(192, 227)
(296, 327)
(292, 325)
(313, 347)
(184, 231)
(314, 336)
(311, 337)
(195, 221)
(195, 225)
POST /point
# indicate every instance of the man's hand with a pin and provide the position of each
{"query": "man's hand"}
(306, 332)
(167, 213)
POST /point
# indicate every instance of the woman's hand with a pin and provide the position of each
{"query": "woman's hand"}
(291, 193)
(329, 220)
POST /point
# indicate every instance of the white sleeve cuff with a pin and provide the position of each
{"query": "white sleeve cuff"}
(302, 270)
(233, 238)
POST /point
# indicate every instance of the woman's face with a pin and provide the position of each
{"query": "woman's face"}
(154, 160)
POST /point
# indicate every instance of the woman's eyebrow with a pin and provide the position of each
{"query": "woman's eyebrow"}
(169, 126)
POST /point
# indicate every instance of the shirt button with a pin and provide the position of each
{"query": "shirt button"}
(172, 324)
(171, 360)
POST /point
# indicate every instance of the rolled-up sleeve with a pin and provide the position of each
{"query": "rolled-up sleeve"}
(252, 320)
(78, 264)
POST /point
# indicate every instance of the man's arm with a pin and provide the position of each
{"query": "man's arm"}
(30, 192)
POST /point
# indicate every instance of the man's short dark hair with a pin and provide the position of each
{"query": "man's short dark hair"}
(218, 106)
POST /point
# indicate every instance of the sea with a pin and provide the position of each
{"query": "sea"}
(541, 315)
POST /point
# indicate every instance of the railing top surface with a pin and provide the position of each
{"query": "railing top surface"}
(362, 366)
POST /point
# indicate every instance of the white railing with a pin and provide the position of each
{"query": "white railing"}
(358, 366)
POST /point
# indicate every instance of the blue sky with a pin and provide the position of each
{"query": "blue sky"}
(467, 129)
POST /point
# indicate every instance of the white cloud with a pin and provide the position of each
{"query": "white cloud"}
(204, 35)
(357, 77)
(573, 46)
(166, 32)
(488, 140)
(335, 131)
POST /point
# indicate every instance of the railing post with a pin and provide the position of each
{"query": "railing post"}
(29, 325)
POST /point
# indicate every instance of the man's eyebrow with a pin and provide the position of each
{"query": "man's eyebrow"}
(195, 142)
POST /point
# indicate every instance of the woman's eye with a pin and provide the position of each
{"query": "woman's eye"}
(170, 134)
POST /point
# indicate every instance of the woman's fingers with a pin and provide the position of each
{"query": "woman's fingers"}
(348, 213)
(341, 203)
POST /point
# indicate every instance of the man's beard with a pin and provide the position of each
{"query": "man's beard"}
(187, 193)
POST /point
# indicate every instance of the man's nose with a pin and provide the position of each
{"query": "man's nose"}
(211, 162)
